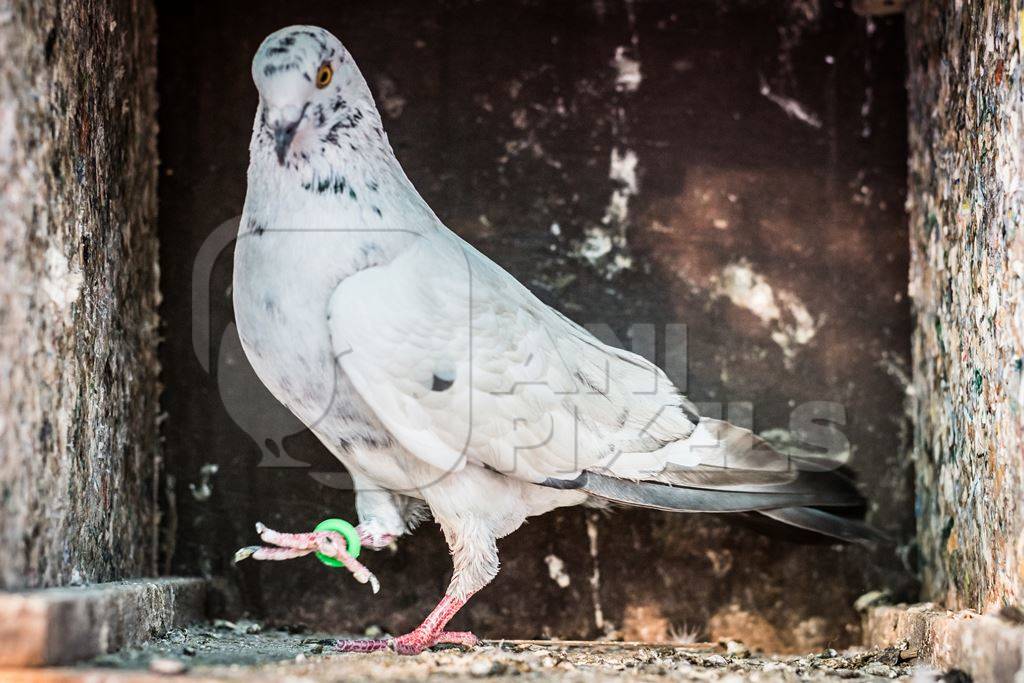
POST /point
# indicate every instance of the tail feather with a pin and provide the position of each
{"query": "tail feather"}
(691, 499)
(722, 468)
(795, 508)
(826, 487)
(822, 522)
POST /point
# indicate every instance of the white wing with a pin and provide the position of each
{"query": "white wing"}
(462, 363)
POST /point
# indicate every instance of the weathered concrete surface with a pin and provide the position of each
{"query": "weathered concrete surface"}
(966, 201)
(734, 167)
(988, 647)
(246, 651)
(78, 291)
(54, 626)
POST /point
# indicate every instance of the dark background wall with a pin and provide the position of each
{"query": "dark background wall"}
(79, 443)
(767, 216)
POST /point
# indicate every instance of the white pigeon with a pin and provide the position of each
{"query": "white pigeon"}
(445, 387)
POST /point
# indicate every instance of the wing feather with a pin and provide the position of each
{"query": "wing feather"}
(526, 391)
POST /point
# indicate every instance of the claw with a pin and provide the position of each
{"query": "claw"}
(244, 553)
(366, 576)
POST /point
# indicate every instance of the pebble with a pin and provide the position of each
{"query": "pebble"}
(253, 627)
(188, 651)
(716, 660)
(482, 668)
(736, 649)
(879, 669)
(167, 667)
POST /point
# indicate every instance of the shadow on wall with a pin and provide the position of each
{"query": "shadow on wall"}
(723, 182)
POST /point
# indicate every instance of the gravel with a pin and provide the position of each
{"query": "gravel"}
(231, 651)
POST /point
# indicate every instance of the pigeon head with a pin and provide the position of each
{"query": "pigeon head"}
(311, 93)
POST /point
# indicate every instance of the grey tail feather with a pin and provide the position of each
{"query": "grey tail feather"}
(828, 524)
(693, 499)
(794, 508)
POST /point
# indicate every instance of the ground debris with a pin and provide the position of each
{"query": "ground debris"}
(245, 650)
(167, 666)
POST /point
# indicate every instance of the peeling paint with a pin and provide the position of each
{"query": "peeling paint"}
(791, 324)
(605, 246)
(791, 107)
(556, 570)
(595, 576)
(622, 172)
(610, 238)
(628, 76)
(596, 245)
(869, 93)
(204, 489)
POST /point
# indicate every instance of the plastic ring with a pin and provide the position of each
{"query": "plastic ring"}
(347, 531)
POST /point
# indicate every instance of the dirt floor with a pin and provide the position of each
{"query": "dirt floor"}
(230, 651)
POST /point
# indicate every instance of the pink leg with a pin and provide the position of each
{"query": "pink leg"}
(374, 539)
(431, 632)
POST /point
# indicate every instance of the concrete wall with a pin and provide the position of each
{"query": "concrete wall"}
(767, 216)
(78, 291)
(966, 199)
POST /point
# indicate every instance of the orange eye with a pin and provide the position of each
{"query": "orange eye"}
(323, 75)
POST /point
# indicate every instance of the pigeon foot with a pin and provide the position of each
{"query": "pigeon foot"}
(411, 643)
(281, 546)
(428, 634)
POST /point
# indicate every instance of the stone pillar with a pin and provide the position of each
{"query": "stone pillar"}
(966, 200)
(79, 446)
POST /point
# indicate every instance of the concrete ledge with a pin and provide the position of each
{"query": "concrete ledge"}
(989, 648)
(63, 625)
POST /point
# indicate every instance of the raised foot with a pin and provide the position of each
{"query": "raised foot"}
(287, 546)
(411, 643)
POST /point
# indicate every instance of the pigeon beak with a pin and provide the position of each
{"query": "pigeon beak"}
(284, 123)
(284, 133)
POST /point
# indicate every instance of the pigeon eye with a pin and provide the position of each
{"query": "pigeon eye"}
(323, 75)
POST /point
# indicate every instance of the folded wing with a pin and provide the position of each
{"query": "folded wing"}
(463, 364)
